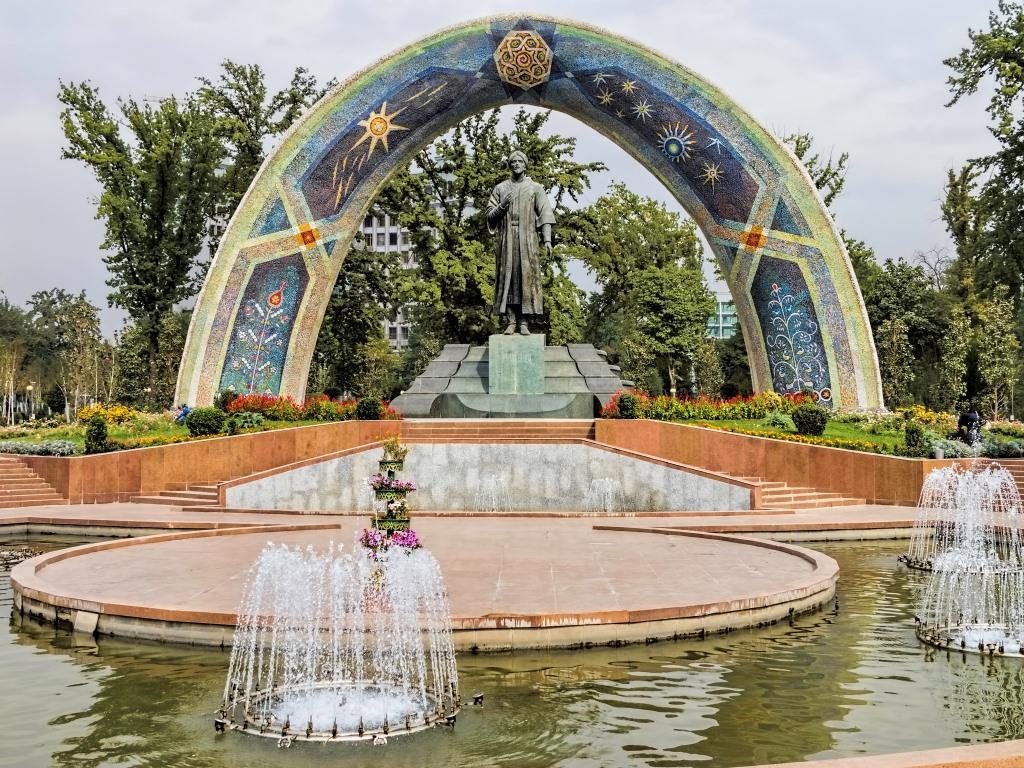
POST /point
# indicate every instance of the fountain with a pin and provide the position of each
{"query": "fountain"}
(492, 496)
(957, 503)
(604, 497)
(341, 647)
(974, 597)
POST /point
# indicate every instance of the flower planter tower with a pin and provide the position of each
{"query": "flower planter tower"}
(391, 490)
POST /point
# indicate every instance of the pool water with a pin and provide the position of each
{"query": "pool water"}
(849, 680)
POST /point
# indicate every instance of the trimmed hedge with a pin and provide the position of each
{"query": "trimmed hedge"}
(810, 420)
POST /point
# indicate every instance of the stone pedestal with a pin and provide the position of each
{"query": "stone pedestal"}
(515, 364)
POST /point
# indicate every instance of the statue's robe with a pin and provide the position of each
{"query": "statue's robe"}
(517, 278)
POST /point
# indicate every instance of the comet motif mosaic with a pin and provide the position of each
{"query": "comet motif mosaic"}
(801, 313)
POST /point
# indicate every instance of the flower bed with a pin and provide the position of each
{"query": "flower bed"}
(666, 408)
(828, 442)
(381, 482)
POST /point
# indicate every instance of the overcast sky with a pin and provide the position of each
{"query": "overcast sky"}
(863, 77)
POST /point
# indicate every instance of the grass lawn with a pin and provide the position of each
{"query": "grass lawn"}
(835, 431)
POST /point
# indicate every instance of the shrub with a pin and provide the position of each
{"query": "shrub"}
(46, 448)
(205, 421)
(917, 442)
(243, 421)
(630, 406)
(369, 409)
(776, 419)
(224, 398)
(321, 409)
(952, 449)
(96, 434)
(1011, 449)
(810, 419)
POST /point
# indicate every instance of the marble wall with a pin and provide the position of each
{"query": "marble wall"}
(497, 477)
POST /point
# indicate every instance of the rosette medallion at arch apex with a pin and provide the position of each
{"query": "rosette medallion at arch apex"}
(803, 320)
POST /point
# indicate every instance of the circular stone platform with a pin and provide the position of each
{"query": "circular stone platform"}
(511, 583)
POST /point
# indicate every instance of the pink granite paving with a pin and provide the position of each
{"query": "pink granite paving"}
(496, 566)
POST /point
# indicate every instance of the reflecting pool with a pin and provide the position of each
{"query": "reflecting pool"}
(841, 682)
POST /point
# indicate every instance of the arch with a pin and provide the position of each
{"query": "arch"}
(799, 306)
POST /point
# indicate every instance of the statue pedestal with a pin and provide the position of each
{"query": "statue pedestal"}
(515, 364)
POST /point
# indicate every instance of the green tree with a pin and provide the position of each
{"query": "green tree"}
(441, 199)
(829, 176)
(653, 306)
(138, 382)
(156, 165)
(377, 368)
(364, 296)
(998, 352)
(994, 56)
(672, 306)
(708, 369)
(896, 361)
(247, 117)
(953, 348)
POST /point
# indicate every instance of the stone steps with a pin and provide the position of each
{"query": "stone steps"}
(192, 496)
(21, 487)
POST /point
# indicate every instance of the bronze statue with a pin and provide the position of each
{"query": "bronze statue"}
(517, 210)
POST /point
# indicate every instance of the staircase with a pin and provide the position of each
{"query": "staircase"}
(1016, 468)
(191, 496)
(781, 496)
(496, 430)
(21, 487)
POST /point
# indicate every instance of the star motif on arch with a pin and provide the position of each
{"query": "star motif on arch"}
(605, 97)
(600, 78)
(628, 86)
(378, 126)
(643, 109)
(711, 174)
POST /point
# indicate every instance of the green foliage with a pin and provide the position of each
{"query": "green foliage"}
(998, 353)
(776, 420)
(378, 369)
(205, 421)
(156, 164)
(246, 116)
(829, 176)
(441, 198)
(629, 406)
(732, 354)
(96, 434)
(896, 360)
(147, 383)
(916, 440)
(652, 310)
(951, 389)
(708, 369)
(243, 421)
(369, 409)
(810, 419)
(986, 228)
(368, 291)
(321, 409)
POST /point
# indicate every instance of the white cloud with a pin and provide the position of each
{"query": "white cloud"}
(864, 77)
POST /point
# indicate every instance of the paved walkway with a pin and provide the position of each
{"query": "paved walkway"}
(142, 516)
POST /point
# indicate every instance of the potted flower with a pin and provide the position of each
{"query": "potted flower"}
(390, 488)
(394, 455)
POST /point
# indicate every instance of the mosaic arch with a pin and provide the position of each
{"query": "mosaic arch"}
(800, 310)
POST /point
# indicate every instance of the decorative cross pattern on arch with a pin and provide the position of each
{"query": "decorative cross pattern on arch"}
(798, 304)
